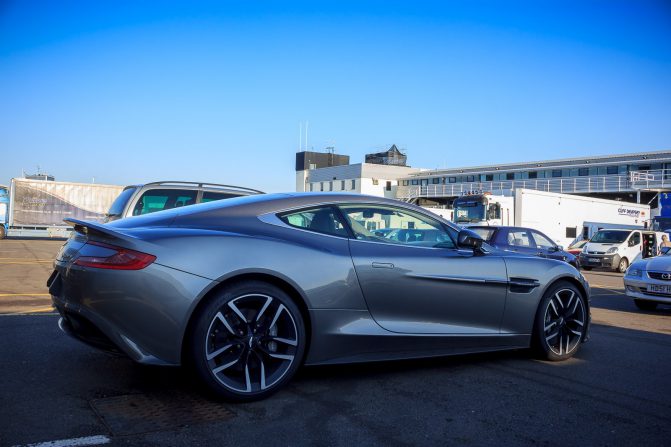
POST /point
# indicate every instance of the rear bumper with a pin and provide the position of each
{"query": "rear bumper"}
(142, 314)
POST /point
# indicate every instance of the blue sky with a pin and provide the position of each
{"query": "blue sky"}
(127, 92)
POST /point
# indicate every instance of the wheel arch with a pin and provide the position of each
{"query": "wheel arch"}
(291, 289)
(570, 279)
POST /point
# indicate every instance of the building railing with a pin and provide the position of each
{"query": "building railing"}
(637, 180)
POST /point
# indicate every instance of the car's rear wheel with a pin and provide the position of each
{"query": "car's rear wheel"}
(248, 341)
(623, 265)
(561, 322)
(645, 304)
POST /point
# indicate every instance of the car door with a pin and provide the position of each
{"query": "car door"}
(518, 240)
(546, 247)
(423, 284)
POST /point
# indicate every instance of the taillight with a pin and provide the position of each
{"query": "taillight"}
(105, 256)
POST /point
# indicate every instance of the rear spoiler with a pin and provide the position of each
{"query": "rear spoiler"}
(96, 229)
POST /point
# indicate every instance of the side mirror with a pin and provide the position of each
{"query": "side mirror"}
(558, 248)
(469, 239)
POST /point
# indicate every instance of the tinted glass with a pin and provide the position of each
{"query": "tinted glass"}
(405, 227)
(320, 220)
(542, 240)
(163, 199)
(212, 196)
(520, 238)
(610, 236)
(120, 202)
(635, 238)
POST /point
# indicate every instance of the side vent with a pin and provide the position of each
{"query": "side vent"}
(523, 285)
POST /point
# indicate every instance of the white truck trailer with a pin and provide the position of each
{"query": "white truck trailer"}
(37, 207)
(560, 216)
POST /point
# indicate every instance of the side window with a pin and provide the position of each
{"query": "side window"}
(396, 226)
(542, 241)
(163, 199)
(320, 220)
(209, 196)
(635, 238)
(520, 238)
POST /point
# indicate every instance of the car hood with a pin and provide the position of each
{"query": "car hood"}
(658, 264)
(594, 246)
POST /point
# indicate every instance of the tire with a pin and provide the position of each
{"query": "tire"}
(250, 358)
(645, 304)
(2, 232)
(622, 266)
(561, 322)
(586, 268)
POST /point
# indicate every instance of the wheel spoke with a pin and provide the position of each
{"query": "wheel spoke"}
(570, 299)
(575, 307)
(579, 334)
(232, 305)
(226, 365)
(218, 351)
(552, 335)
(277, 315)
(248, 382)
(279, 356)
(561, 303)
(285, 341)
(581, 323)
(560, 344)
(221, 318)
(550, 326)
(554, 307)
(263, 374)
(263, 309)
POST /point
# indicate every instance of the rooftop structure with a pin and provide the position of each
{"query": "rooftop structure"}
(390, 157)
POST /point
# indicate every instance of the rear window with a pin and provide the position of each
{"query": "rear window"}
(120, 202)
(484, 233)
(212, 196)
(164, 199)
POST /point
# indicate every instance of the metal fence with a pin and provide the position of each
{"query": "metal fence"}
(638, 180)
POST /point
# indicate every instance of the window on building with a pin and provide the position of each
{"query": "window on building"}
(388, 187)
(470, 178)
(353, 184)
(424, 181)
(375, 181)
(321, 186)
(611, 170)
(510, 176)
(435, 180)
(489, 177)
(330, 186)
(452, 179)
(406, 182)
(312, 185)
(533, 174)
(342, 185)
(415, 182)
(556, 173)
(583, 172)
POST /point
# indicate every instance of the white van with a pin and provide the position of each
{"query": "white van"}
(616, 248)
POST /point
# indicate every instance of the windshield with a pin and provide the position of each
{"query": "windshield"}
(472, 211)
(610, 236)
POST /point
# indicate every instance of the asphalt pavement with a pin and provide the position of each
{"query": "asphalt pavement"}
(615, 391)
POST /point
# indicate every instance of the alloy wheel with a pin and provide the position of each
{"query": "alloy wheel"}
(251, 343)
(564, 322)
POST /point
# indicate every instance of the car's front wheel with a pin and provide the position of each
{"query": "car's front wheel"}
(248, 341)
(561, 322)
(623, 265)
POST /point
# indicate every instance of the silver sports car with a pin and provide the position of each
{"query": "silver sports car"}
(248, 289)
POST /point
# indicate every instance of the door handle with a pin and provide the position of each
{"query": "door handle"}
(383, 265)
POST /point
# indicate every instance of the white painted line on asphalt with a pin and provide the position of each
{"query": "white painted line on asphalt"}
(88, 440)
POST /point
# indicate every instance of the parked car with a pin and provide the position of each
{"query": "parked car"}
(524, 241)
(249, 289)
(136, 200)
(648, 281)
(615, 249)
(576, 248)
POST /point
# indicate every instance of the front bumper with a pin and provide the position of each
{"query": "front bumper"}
(637, 288)
(599, 261)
